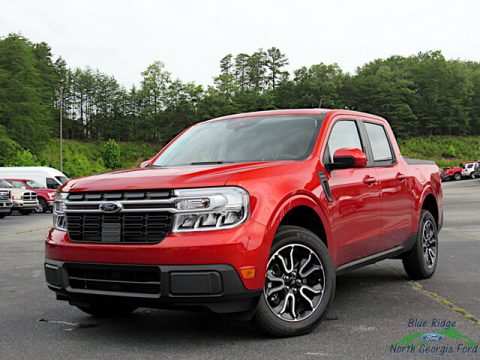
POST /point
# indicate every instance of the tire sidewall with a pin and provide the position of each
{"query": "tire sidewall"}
(285, 236)
(426, 215)
(43, 204)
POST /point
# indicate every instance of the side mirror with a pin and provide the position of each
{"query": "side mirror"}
(349, 158)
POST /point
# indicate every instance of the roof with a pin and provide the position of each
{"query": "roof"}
(313, 111)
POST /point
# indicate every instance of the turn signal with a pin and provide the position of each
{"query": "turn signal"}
(248, 273)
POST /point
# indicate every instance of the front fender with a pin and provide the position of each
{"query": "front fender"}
(294, 201)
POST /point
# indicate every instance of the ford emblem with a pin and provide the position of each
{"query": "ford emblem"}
(110, 207)
(432, 337)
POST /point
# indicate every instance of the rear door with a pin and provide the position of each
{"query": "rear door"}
(395, 198)
(355, 197)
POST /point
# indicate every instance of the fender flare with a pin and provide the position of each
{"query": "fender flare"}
(294, 201)
(427, 190)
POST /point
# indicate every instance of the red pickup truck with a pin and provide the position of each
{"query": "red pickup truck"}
(450, 173)
(253, 214)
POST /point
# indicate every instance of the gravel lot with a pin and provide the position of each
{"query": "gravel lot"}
(372, 308)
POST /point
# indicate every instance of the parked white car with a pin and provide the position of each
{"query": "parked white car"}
(47, 177)
(470, 170)
(24, 201)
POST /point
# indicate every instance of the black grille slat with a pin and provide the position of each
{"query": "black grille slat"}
(115, 196)
(119, 228)
(145, 280)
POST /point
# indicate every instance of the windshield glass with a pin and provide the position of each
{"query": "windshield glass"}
(5, 184)
(259, 138)
(33, 184)
(62, 179)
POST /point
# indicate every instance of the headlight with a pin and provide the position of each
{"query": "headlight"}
(51, 195)
(16, 196)
(59, 221)
(210, 208)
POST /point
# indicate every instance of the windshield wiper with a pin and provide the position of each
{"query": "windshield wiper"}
(210, 162)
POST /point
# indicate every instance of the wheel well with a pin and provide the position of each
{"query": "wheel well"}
(430, 204)
(307, 218)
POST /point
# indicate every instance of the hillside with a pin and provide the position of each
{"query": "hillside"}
(444, 150)
(85, 158)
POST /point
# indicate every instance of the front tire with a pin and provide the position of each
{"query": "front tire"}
(99, 310)
(25, 212)
(457, 176)
(42, 206)
(421, 261)
(299, 284)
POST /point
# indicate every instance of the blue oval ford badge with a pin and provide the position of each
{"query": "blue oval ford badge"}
(110, 207)
(432, 337)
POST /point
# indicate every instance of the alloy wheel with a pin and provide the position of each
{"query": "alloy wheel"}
(295, 282)
(429, 243)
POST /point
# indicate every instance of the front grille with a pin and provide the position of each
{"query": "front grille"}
(119, 228)
(114, 278)
(138, 216)
(4, 195)
(28, 196)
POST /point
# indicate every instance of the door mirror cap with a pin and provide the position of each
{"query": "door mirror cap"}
(349, 158)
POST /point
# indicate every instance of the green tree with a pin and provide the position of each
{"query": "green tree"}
(24, 158)
(111, 154)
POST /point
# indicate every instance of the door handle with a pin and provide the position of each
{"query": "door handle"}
(369, 180)
(400, 177)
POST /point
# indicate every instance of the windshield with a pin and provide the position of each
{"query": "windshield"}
(33, 184)
(5, 184)
(61, 179)
(259, 138)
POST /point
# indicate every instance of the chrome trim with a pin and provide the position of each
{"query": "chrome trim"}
(76, 206)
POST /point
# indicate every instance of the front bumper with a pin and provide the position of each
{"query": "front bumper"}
(5, 206)
(214, 287)
(243, 247)
(24, 205)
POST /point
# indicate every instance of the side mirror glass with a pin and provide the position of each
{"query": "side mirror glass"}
(349, 158)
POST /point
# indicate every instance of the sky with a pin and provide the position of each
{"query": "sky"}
(121, 38)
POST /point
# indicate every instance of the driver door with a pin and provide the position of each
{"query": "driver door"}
(355, 197)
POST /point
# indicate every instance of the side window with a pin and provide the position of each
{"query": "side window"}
(344, 135)
(382, 152)
(51, 184)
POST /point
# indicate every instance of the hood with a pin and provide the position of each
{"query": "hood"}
(15, 191)
(164, 178)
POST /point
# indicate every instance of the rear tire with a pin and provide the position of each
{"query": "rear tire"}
(421, 261)
(297, 293)
(457, 176)
(25, 212)
(99, 310)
